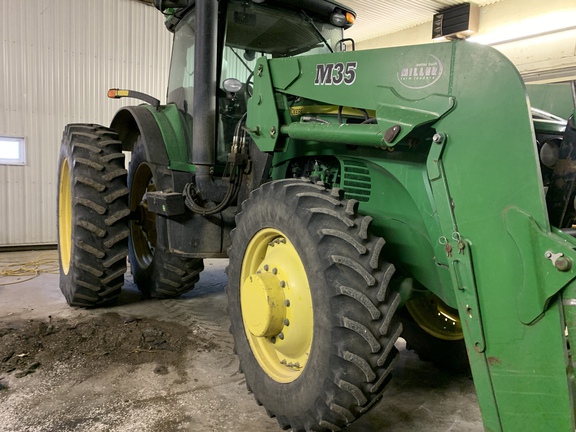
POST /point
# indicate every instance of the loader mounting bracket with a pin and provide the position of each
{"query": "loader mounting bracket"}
(546, 263)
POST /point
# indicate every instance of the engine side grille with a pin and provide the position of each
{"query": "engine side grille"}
(355, 180)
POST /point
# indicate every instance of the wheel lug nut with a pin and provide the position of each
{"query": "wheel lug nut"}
(273, 339)
(287, 303)
(281, 336)
(274, 270)
(282, 284)
(286, 322)
(266, 267)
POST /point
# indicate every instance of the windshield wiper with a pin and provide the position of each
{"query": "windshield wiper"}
(241, 60)
(318, 31)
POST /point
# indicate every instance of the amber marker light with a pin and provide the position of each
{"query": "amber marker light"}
(117, 93)
(120, 93)
(350, 18)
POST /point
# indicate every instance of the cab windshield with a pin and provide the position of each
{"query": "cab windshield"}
(278, 32)
(253, 30)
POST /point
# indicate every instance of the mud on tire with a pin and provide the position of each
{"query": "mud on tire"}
(92, 215)
(353, 325)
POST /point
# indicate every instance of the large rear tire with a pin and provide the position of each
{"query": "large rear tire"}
(311, 314)
(156, 272)
(92, 215)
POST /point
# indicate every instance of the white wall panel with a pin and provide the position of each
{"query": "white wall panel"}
(59, 57)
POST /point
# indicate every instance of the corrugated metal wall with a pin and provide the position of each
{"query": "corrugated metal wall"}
(59, 57)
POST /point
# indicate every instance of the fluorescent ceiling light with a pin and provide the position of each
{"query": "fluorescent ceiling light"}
(554, 22)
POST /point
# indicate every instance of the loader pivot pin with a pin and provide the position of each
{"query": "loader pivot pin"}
(559, 261)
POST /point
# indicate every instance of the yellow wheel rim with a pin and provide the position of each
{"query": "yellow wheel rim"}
(436, 317)
(276, 305)
(65, 216)
(143, 229)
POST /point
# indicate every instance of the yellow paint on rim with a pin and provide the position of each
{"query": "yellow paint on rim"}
(276, 305)
(436, 317)
(65, 217)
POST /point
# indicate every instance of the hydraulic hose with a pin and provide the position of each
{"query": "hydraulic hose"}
(235, 179)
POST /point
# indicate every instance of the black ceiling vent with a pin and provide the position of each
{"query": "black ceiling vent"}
(456, 22)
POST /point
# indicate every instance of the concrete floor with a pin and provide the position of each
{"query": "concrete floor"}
(205, 393)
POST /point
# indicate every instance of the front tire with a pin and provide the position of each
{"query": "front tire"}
(311, 314)
(92, 215)
(157, 272)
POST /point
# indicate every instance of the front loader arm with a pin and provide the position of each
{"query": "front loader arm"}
(457, 116)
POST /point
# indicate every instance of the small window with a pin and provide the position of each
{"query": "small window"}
(12, 151)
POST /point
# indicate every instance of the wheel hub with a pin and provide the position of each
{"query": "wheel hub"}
(276, 305)
(263, 303)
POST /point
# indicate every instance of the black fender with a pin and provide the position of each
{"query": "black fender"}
(134, 121)
(211, 236)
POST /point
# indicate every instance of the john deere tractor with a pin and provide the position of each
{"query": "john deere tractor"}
(360, 196)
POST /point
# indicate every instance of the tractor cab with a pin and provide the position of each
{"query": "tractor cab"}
(251, 30)
(216, 46)
(214, 57)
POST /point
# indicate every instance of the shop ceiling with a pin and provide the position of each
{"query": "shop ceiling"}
(380, 17)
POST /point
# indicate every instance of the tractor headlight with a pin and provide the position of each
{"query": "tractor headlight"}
(338, 19)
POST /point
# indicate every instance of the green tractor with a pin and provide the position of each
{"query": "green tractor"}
(360, 196)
